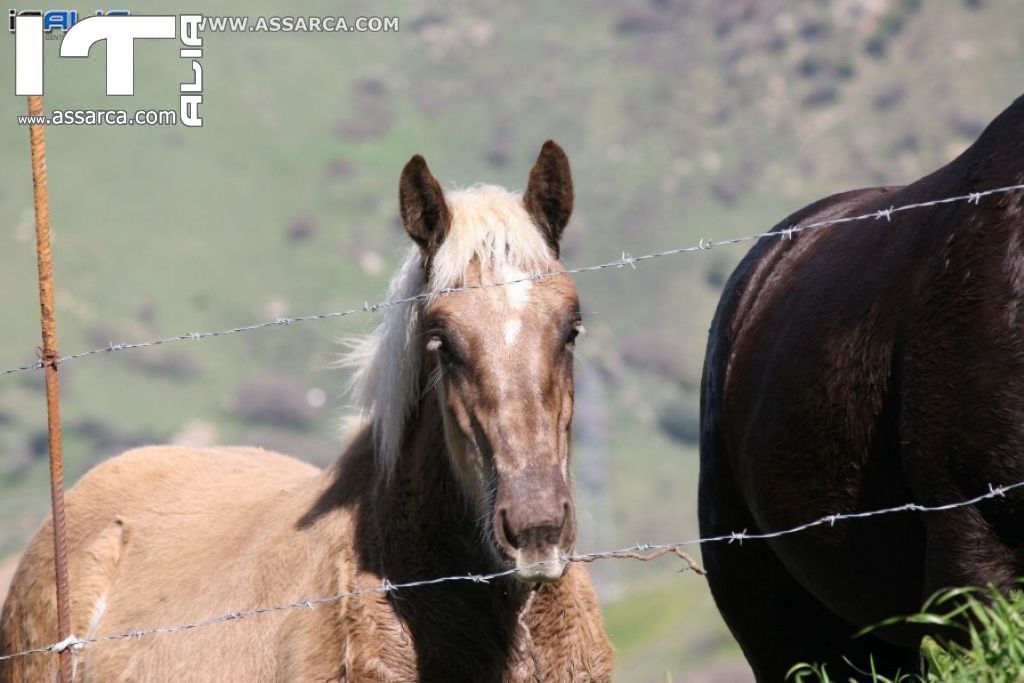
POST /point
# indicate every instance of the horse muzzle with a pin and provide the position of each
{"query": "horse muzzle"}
(546, 566)
(535, 528)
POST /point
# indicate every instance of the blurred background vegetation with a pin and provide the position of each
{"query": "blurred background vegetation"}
(683, 119)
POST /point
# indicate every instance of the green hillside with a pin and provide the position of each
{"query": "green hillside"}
(684, 119)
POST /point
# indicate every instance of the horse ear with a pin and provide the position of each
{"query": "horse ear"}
(421, 201)
(548, 195)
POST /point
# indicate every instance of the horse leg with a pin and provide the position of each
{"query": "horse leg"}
(965, 548)
(776, 621)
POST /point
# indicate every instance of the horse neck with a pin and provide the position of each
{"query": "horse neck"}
(414, 525)
(423, 521)
(424, 529)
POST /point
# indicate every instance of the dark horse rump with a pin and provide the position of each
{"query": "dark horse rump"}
(859, 367)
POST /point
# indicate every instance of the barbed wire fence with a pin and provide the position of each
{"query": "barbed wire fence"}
(622, 262)
(642, 552)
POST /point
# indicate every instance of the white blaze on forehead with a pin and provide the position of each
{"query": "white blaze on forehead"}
(512, 328)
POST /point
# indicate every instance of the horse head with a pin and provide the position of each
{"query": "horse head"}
(499, 357)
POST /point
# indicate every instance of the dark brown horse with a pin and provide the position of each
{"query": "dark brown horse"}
(860, 367)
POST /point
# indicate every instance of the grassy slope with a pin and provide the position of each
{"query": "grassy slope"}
(162, 231)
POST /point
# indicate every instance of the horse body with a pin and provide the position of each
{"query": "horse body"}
(142, 558)
(167, 536)
(153, 544)
(861, 367)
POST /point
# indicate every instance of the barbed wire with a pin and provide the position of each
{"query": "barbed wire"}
(644, 552)
(640, 551)
(622, 262)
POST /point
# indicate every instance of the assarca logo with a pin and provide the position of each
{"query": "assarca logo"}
(120, 33)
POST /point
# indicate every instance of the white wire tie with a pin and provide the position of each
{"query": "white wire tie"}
(974, 198)
(885, 213)
(71, 642)
(738, 536)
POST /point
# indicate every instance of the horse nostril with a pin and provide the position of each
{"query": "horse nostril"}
(507, 535)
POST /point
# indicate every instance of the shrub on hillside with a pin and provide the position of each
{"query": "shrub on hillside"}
(680, 419)
(273, 400)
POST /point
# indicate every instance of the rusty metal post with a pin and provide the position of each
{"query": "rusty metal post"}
(48, 318)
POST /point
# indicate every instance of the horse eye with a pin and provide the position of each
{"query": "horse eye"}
(575, 332)
(445, 349)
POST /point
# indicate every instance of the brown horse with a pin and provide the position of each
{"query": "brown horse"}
(861, 367)
(461, 466)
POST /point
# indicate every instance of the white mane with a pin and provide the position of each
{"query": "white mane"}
(491, 226)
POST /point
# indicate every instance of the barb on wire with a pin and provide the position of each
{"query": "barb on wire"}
(644, 552)
(626, 260)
